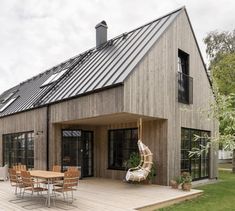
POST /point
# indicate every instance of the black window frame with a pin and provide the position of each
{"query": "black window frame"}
(203, 160)
(15, 141)
(134, 149)
(185, 82)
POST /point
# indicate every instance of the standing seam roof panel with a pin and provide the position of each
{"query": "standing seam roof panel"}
(117, 59)
(142, 52)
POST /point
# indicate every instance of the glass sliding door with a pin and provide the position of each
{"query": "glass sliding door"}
(198, 166)
(77, 150)
(71, 149)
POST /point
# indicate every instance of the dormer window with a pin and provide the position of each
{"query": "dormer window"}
(185, 82)
(53, 78)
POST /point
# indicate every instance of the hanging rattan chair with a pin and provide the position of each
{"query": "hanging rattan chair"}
(142, 171)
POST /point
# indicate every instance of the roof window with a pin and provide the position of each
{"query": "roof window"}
(53, 78)
(7, 96)
(9, 102)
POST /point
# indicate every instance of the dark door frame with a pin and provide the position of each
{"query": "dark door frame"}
(82, 150)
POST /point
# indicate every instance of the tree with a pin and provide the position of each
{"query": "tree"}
(220, 48)
(219, 43)
(223, 73)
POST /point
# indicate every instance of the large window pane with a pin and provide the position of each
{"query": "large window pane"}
(122, 143)
(18, 148)
(197, 166)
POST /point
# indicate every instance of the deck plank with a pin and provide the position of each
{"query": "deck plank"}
(103, 194)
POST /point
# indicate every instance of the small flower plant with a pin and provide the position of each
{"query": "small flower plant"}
(186, 177)
(186, 181)
(176, 182)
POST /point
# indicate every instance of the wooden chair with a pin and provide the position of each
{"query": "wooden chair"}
(15, 181)
(56, 168)
(29, 184)
(72, 168)
(19, 167)
(70, 184)
(22, 167)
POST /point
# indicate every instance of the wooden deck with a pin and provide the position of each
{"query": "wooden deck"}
(101, 194)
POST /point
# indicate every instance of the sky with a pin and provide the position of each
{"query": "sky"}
(36, 35)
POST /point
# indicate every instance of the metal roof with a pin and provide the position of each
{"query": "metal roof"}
(95, 69)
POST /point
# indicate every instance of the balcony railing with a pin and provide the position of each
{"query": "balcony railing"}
(185, 88)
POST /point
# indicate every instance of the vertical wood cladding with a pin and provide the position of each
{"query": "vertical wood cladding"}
(34, 120)
(152, 90)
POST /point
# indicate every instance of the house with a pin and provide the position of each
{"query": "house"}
(84, 111)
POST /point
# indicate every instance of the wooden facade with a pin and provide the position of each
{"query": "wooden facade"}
(152, 90)
(149, 92)
(35, 121)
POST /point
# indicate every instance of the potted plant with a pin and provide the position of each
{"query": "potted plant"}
(174, 183)
(186, 181)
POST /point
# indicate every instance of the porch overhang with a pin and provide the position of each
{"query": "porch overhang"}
(109, 119)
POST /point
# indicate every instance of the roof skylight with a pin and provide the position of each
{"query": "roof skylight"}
(7, 97)
(54, 78)
(9, 102)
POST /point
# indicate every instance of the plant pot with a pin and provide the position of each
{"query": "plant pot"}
(186, 186)
(174, 184)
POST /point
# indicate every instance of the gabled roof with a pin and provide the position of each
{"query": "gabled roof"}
(93, 70)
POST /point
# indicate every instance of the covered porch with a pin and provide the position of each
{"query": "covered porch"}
(98, 162)
(103, 194)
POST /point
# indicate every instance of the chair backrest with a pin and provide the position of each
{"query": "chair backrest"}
(26, 179)
(71, 179)
(22, 167)
(148, 159)
(56, 168)
(72, 168)
(19, 167)
(12, 176)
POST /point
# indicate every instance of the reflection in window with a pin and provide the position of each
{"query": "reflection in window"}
(122, 142)
(197, 166)
(185, 82)
(54, 78)
(9, 102)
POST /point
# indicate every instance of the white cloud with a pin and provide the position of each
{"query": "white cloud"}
(38, 34)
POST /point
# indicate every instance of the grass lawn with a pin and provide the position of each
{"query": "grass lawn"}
(219, 196)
